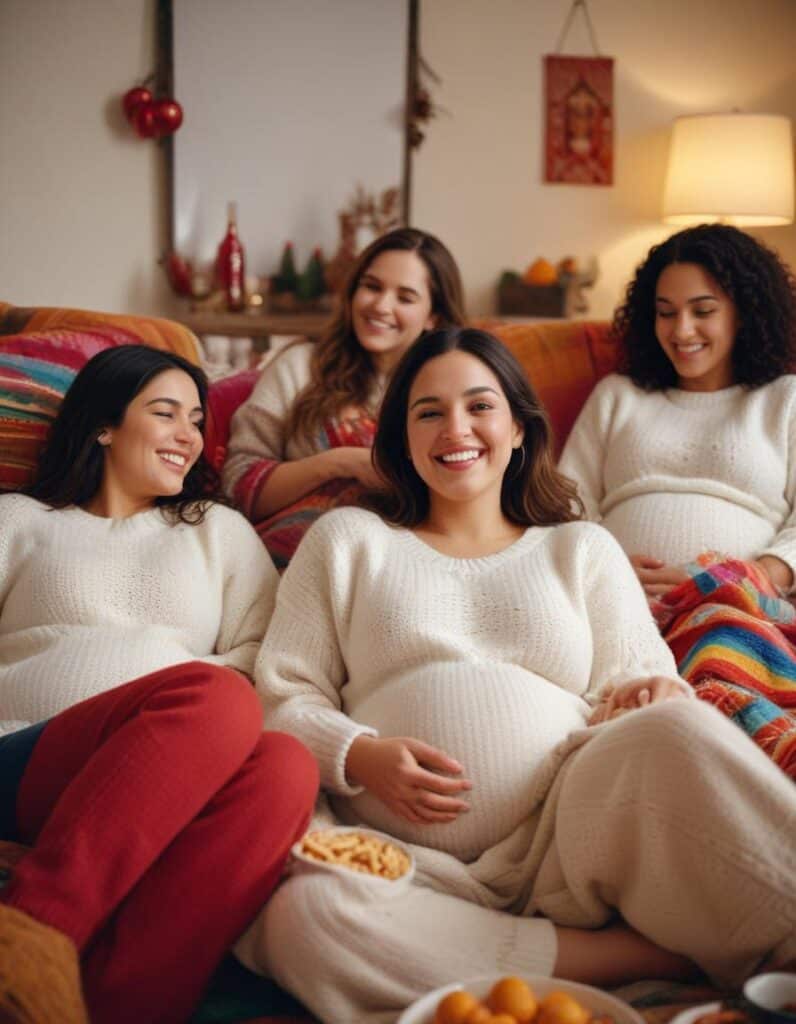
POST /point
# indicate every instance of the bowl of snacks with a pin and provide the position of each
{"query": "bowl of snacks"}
(363, 851)
(515, 1000)
(771, 997)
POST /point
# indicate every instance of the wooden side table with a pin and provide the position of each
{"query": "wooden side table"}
(240, 339)
(254, 325)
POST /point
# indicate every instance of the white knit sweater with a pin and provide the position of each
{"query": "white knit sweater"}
(674, 473)
(88, 603)
(494, 660)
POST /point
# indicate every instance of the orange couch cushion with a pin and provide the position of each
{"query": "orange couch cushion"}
(563, 360)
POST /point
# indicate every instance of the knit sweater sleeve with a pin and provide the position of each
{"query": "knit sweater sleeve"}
(627, 643)
(249, 590)
(258, 437)
(301, 668)
(584, 452)
(15, 512)
(784, 544)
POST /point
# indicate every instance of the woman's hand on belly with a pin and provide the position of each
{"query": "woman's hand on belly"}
(403, 773)
(657, 578)
(638, 693)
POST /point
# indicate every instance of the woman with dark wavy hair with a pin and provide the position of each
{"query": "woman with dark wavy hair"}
(300, 444)
(454, 664)
(132, 757)
(688, 456)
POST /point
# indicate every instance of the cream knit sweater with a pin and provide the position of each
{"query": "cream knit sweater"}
(674, 473)
(259, 427)
(88, 603)
(668, 814)
(494, 660)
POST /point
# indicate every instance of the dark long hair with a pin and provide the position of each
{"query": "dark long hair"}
(72, 464)
(534, 493)
(755, 278)
(341, 371)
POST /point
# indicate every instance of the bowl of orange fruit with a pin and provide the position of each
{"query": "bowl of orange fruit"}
(509, 999)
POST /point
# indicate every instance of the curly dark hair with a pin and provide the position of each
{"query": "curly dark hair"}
(71, 466)
(534, 493)
(760, 284)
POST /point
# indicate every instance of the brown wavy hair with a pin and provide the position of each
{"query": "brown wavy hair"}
(341, 371)
(72, 464)
(759, 283)
(534, 493)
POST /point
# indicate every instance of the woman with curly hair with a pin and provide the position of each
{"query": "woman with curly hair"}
(688, 456)
(301, 443)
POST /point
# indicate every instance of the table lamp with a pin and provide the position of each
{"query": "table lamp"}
(735, 168)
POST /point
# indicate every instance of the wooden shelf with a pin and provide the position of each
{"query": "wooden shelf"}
(254, 325)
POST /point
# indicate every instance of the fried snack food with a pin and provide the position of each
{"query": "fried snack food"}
(359, 851)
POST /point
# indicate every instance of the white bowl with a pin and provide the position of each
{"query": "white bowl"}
(767, 994)
(303, 862)
(422, 1010)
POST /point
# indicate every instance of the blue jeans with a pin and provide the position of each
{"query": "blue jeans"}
(16, 749)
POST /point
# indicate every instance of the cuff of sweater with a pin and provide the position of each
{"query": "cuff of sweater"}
(247, 489)
(330, 744)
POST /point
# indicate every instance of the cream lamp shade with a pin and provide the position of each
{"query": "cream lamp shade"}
(736, 168)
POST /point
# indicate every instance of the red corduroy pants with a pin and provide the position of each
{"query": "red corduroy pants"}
(160, 816)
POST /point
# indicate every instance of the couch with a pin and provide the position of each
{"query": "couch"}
(41, 350)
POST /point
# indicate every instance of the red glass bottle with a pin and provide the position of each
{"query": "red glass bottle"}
(230, 262)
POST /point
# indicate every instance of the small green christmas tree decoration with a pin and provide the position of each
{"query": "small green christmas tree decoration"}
(311, 284)
(286, 278)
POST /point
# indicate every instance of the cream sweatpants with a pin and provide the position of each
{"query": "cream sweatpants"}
(669, 815)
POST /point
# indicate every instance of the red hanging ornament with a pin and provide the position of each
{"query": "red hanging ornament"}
(168, 116)
(151, 117)
(134, 98)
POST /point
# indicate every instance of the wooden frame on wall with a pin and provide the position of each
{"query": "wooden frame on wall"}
(196, 218)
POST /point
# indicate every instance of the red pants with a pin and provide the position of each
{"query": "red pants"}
(160, 816)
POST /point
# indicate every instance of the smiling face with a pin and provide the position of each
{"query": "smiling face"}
(391, 306)
(695, 323)
(460, 430)
(151, 451)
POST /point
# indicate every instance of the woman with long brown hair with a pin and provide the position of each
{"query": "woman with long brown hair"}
(451, 663)
(300, 444)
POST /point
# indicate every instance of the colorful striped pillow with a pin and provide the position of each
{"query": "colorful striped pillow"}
(35, 371)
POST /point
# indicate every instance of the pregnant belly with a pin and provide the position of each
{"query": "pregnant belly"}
(678, 527)
(500, 722)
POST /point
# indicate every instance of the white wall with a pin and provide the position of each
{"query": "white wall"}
(81, 197)
(82, 217)
(478, 175)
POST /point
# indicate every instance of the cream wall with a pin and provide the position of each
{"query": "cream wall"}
(478, 174)
(82, 215)
(81, 198)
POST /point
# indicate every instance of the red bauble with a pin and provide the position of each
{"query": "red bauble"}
(168, 116)
(133, 99)
(144, 120)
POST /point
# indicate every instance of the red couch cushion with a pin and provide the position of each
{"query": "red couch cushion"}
(224, 398)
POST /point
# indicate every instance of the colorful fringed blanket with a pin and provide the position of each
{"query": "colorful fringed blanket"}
(282, 532)
(734, 639)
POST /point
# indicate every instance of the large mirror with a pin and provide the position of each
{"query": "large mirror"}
(290, 107)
